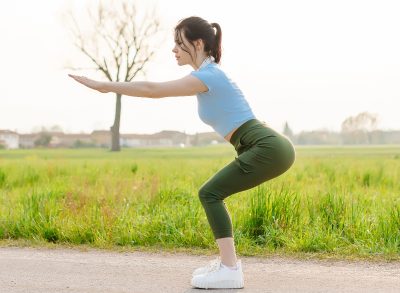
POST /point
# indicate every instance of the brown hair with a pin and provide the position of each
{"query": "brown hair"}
(195, 28)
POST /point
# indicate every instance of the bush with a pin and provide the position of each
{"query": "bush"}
(83, 144)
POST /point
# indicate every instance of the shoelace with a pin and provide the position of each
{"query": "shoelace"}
(214, 265)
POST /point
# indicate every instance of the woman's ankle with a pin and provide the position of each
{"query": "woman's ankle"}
(230, 266)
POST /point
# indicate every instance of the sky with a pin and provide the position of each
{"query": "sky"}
(310, 63)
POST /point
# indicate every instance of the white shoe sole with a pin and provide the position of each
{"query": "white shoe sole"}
(227, 284)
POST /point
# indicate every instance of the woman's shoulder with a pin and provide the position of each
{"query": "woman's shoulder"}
(214, 69)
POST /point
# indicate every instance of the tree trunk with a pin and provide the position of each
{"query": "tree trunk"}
(115, 147)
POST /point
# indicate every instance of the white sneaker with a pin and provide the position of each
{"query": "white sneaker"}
(220, 277)
(210, 266)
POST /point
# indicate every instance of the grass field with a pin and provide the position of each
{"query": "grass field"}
(342, 201)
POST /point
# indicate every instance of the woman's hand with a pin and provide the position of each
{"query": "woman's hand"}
(93, 84)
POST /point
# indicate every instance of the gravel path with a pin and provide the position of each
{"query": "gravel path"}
(70, 270)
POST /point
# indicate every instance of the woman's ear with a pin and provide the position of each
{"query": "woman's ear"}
(199, 44)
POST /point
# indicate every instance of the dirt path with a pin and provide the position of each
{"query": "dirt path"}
(68, 270)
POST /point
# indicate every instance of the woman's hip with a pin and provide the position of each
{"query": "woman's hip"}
(263, 145)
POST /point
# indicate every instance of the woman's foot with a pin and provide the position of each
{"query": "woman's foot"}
(219, 276)
(210, 266)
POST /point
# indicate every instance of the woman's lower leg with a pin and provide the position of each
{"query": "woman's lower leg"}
(227, 251)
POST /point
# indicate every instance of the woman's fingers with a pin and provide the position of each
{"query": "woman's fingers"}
(78, 77)
(73, 76)
(81, 79)
(87, 82)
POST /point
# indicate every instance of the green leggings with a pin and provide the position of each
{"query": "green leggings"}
(263, 154)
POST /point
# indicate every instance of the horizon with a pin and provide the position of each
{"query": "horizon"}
(187, 133)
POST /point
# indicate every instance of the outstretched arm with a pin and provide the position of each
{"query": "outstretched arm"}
(186, 86)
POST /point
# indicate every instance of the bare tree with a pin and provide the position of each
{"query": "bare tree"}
(119, 47)
(358, 129)
(363, 121)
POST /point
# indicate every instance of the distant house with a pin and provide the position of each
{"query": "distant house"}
(67, 140)
(163, 138)
(134, 140)
(206, 138)
(71, 140)
(9, 139)
(101, 138)
(57, 139)
(27, 141)
(170, 138)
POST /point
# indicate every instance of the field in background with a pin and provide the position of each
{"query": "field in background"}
(334, 200)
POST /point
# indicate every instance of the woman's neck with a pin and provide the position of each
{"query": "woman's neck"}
(203, 62)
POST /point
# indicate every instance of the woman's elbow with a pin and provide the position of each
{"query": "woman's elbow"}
(153, 91)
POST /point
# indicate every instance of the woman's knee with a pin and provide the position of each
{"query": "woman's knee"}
(206, 195)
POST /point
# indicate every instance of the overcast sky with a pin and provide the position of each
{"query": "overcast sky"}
(311, 63)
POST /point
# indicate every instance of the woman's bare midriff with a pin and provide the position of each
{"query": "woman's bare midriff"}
(229, 135)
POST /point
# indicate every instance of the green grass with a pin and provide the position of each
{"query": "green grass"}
(334, 202)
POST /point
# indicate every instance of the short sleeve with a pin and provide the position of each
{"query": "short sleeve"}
(205, 77)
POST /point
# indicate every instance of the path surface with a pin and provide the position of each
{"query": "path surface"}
(68, 270)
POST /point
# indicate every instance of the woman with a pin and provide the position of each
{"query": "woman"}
(263, 153)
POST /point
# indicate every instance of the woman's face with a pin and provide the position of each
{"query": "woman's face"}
(180, 49)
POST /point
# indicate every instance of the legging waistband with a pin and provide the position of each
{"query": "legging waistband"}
(242, 129)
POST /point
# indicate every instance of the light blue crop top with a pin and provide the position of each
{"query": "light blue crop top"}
(223, 106)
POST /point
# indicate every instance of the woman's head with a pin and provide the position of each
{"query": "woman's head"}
(194, 36)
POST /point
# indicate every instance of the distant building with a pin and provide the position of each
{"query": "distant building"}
(71, 140)
(57, 139)
(206, 138)
(9, 139)
(27, 141)
(169, 138)
(135, 140)
(163, 138)
(101, 138)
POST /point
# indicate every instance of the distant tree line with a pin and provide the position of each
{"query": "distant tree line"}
(359, 129)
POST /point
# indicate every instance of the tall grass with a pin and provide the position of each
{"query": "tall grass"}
(333, 200)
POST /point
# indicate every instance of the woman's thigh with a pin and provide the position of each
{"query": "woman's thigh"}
(263, 161)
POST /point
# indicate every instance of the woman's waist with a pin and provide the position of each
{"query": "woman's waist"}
(252, 132)
(239, 131)
(229, 135)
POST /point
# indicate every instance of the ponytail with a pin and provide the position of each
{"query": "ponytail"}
(216, 50)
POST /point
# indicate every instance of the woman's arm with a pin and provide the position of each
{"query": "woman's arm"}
(186, 86)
